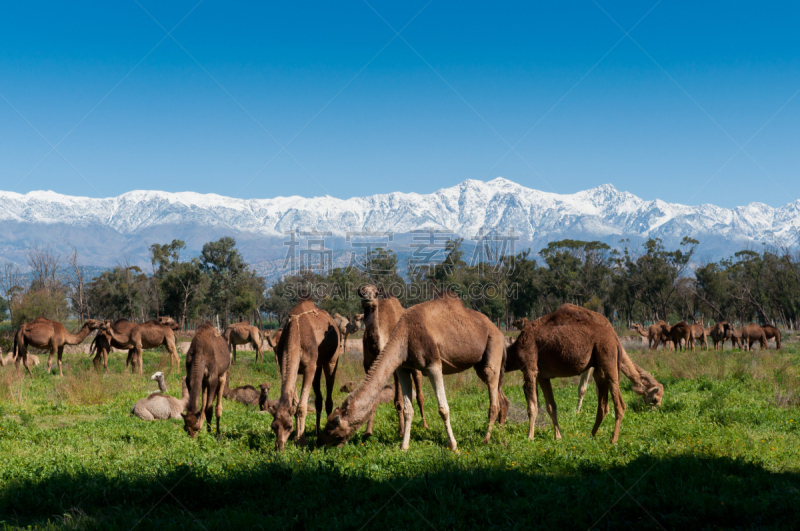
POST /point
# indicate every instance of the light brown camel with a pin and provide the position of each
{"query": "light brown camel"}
(9, 358)
(49, 335)
(566, 343)
(750, 334)
(735, 336)
(520, 323)
(207, 363)
(159, 405)
(771, 332)
(273, 342)
(309, 345)
(145, 336)
(437, 337)
(346, 327)
(244, 394)
(655, 334)
(103, 342)
(381, 315)
(243, 334)
(700, 333)
(680, 334)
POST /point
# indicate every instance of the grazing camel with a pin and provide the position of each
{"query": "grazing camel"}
(680, 334)
(520, 323)
(207, 363)
(145, 336)
(437, 337)
(244, 394)
(47, 335)
(103, 342)
(381, 315)
(566, 343)
(771, 332)
(243, 334)
(699, 333)
(750, 334)
(655, 334)
(309, 345)
(161, 406)
(346, 327)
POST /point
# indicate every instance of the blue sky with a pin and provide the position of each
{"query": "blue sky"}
(358, 110)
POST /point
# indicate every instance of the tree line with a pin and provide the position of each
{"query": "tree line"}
(633, 283)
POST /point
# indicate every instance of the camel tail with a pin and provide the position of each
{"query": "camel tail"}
(14, 350)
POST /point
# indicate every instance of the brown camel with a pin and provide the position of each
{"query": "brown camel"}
(735, 336)
(244, 394)
(103, 342)
(145, 336)
(655, 334)
(520, 323)
(719, 333)
(437, 337)
(381, 315)
(207, 363)
(346, 327)
(49, 335)
(771, 332)
(752, 333)
(680, 334)
(566, 343)
(309, 345)
(700, 333)
(264, 403)
(243, 334)
(273, 342)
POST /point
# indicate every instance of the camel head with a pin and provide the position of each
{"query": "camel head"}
(337, 430)
(357, 319)
(168, 321)
(282, 426)
(157, 375)
(93, 324)
(192, 424)
(520, 323)
(653, 396)
(105, 325)
(369, 295)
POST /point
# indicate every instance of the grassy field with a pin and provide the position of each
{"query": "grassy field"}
(722, 452)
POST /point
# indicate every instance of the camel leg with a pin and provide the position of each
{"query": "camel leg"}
(140, 358)
(233, 353)
(417, 377)
(602, 403)
(584, 385)
(208, 405)
(532, 397)
(218, 412)
(302, 407)
(105, 360)
(437, 381)
(23, 354)
(330, 383)
(60, 353)
(398, 405)
(619, 409)
(174, 358)
(550, 401)
(491, 378)
(129, 360)
(404, 375)
(50, 359)
(317, 385)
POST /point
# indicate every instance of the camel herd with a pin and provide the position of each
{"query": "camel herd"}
(683, 335)
(431, 339)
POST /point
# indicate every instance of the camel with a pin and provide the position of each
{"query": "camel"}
(309, 345)
(752, 333)
(144, 336)
(346, 327)
(680, 334)
(9, 358)
(520, 323)
(245, 394)
(264, 403)
(771, 332)
(207, 363)
(566, 343)
(49, 335)
(243, 334)
(103, 342)
(381, 315)
(700, 333)
(160, 406)
(437, 337)
(273, 344)
(735, 336)
(655, 334)
(719, 333)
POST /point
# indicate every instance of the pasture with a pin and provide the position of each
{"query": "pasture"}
(722, 451)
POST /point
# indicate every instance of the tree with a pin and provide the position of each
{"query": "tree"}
(76, 280)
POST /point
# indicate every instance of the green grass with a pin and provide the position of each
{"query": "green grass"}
(722, 451)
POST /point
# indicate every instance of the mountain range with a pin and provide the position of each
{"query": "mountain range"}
(107, 230)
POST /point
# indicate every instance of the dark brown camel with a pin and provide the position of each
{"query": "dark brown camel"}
(207, 365)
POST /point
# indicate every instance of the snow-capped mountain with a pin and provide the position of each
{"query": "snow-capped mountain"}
(104, 229)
